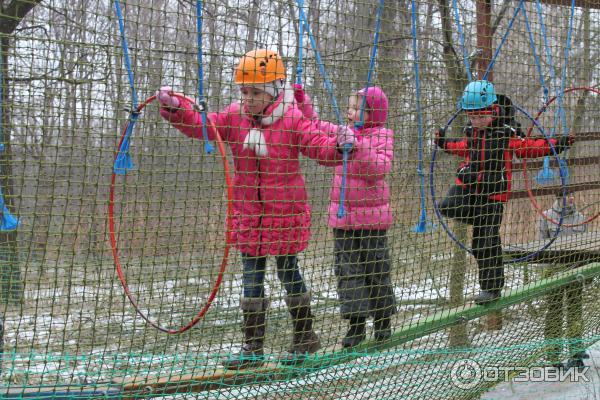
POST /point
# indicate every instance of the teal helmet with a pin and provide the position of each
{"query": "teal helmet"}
(478, 95)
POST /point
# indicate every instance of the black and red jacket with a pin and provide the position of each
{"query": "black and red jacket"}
(488, 154)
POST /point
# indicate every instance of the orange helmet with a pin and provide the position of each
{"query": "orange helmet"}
(259, 66)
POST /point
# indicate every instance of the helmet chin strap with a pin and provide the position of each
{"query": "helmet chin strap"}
(278, 85)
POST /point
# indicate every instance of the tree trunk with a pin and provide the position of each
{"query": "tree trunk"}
(252, 24)
(11, 287)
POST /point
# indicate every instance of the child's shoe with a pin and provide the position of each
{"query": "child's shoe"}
(576, 360)
(356, 333)
(382, 328)
(486, 296)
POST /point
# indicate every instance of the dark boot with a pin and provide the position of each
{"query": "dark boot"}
(576, 361)
(254, 311)
(305, 340)
(382, 327)
(487, 296)
(357, 332)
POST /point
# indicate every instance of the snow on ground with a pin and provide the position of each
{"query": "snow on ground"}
(120, 344)
(580, 390)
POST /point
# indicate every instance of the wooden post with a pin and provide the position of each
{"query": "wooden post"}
(458, 335)
(11, 286)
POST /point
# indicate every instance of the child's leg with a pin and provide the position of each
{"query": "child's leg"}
(254, 309)
(254, 276)
(353, 292)
(288, 273)
(305, 340)
(487, 248)
(382, 301)
(458, 205)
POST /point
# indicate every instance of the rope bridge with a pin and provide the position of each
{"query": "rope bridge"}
(119, 271)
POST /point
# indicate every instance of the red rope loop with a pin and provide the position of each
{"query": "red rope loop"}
(534, 202)
(228, 228)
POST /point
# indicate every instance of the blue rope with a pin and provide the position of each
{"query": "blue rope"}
(564, 71)
(326, 82)
(546, 175)
(8, 222)
(538, 63)
(421, 227)
(336, 108)
(300, 47)
(546, 48)
(123, 161)
(363, 103)
(329, 87)
(208, 148)
(361, 122)
(561, 112)
(510, 24)
(461, 37)
(559, 91)
(441, 217)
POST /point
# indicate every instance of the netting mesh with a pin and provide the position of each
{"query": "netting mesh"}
(68, 327)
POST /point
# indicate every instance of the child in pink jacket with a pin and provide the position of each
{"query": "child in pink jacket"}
(266, 133)
(362, 261)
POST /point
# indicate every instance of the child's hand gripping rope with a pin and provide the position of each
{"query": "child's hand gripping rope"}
(346, 140)
(304, 102)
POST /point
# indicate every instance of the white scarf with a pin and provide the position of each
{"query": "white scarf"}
(255, 140)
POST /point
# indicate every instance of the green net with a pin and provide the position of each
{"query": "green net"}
(96, 254)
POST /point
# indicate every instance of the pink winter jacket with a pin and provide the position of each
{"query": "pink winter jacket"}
(367, 197)
(271, 211)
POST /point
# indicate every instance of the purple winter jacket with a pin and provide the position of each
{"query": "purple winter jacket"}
(367, 201)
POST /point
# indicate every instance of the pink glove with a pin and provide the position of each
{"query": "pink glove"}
(169, 104)
(345, 136)
(304, 102)
(298, 93)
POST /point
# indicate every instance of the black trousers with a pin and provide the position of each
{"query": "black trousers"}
(362, 268)
(486, 217)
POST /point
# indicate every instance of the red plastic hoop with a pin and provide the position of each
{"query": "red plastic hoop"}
(534, 202)
(113, 241)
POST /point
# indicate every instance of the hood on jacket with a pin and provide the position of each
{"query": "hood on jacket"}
(376, 104)
(507, 113)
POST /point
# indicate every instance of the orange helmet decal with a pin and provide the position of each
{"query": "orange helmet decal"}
(259, 66)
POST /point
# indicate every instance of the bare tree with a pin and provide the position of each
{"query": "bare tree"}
(11, 13)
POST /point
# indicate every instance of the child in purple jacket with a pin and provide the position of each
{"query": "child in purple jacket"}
(362, 260)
